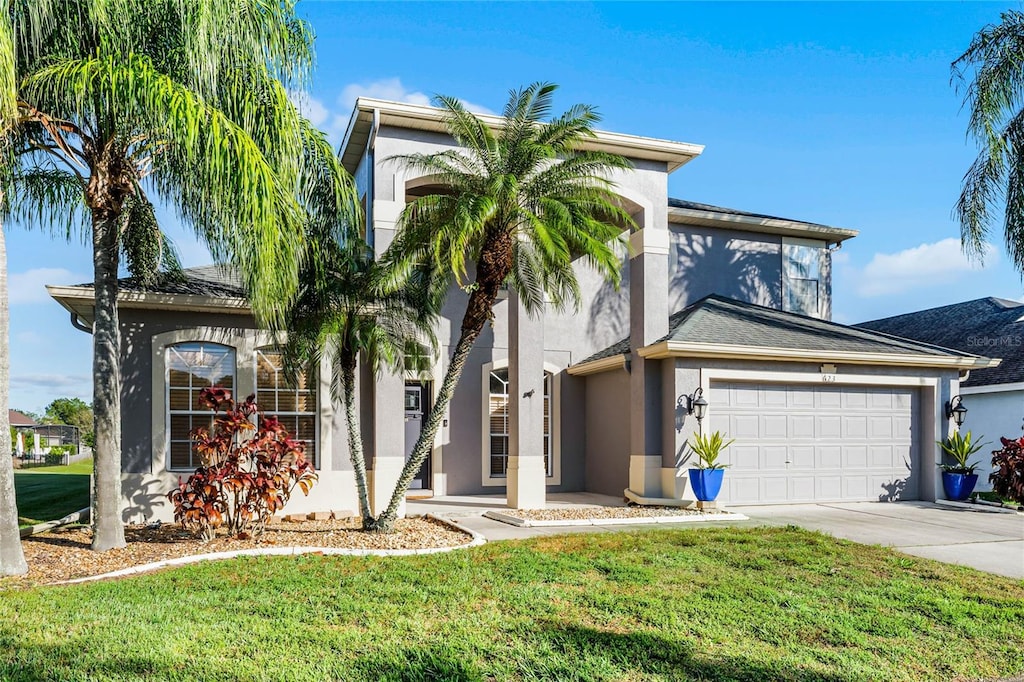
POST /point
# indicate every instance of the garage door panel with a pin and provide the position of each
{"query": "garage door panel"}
(807, 443)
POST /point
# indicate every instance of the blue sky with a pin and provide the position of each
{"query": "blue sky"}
(835, 113)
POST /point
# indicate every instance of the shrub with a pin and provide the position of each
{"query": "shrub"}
(243, 480)
(1008, 478)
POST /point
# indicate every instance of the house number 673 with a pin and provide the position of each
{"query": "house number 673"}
(828, 378)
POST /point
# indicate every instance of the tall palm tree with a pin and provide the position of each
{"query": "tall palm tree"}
(12, 558)
(990, 73)
(351, 306)
(520, 204)
(124, 99)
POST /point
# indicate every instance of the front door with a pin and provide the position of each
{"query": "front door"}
(415, 409)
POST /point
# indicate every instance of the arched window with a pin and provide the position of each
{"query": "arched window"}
(294, 406)
(191, 367)
(497, 410)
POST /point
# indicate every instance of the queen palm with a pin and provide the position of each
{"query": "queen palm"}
(990, 74)
(520, 204)
(351, 306)
(12, 558)
(124, 99)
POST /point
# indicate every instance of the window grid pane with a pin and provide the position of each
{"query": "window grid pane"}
(294, 407)
(191, 367)
(497, 411)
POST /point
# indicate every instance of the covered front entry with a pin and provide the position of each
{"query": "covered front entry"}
(818, 442)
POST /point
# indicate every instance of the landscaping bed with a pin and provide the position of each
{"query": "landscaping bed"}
(575, 516)
(63, 553)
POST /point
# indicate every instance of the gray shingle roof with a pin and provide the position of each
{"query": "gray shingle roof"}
(206, 280)
(719, 320)
(985, 326)
(694, 206)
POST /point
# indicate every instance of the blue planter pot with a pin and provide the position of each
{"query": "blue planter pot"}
(958, 486)
(706, 483)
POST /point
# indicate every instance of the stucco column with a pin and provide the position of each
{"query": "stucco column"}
(648, 322)
(526, 476)
(388, 421)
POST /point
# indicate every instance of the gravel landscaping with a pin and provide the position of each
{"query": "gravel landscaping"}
(63, 553)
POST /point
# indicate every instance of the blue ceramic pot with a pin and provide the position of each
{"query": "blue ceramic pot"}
(706, 483)
(958, 486)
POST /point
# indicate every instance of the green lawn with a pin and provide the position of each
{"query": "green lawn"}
(703, 604)
(49, 493)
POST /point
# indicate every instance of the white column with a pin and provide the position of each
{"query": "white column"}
(526, 476)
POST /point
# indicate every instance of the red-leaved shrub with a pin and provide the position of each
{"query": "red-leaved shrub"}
(247, 473)
(1008, 478)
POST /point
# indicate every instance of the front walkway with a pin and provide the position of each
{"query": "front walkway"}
(987, 541)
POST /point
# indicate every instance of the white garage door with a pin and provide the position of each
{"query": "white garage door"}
(812, 443)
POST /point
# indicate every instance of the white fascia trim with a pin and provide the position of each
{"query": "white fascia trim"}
(599, 365)
(150, 299)
(754, 224)
(993, 388)
(418, 116)
(670, 349)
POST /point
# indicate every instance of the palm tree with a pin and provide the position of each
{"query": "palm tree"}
(991, 75)
(520, 204)
(123, 99)
(12, 558)
(351, 306)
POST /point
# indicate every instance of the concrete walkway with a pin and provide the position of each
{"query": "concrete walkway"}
(987, 541)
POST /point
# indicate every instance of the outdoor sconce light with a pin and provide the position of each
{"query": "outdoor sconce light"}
(694, 404)
(956, 411)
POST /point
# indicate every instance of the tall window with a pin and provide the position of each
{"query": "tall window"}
(497, 409)
(294, 406)
(801, 280)
(191, 367)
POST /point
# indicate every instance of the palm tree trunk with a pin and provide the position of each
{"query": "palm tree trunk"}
(355, 439)
(12, 558)
(108, 527)
(386, 522)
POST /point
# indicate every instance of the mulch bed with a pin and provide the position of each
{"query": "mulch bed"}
(64, 554)
(584, 513)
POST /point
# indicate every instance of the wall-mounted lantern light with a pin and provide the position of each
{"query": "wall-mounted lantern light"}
(694, 404)
(956, 411)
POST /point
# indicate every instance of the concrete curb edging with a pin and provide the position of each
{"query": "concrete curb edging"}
(986, 508)
(513, 520)
(80, 516)
(476, 540)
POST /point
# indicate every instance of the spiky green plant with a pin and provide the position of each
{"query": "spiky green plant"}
(520, 203)
(708, 448)
(121, 100)
(960, 448)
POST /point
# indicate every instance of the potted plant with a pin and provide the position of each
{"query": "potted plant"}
(959, 479)
(706, 478)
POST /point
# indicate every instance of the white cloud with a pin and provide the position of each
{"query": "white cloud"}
(387, 88)
(30, 286)
(78, 384)
(920, 266)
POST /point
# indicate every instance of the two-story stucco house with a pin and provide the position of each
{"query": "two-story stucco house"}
(734, 304)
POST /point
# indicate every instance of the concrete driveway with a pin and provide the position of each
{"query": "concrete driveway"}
(987, 541)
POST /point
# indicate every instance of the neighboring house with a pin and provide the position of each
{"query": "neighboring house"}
(820, 411)
(994, 397)
(21, 424)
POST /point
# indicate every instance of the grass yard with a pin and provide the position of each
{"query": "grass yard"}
(49, 493)
(700, 604)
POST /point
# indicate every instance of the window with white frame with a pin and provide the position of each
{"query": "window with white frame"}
(801, 278)
(293, 405)
(497, 410)
(191, 367)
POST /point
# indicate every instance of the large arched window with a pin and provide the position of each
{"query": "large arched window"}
(497, 410)
(294, 406)
(191, 367)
